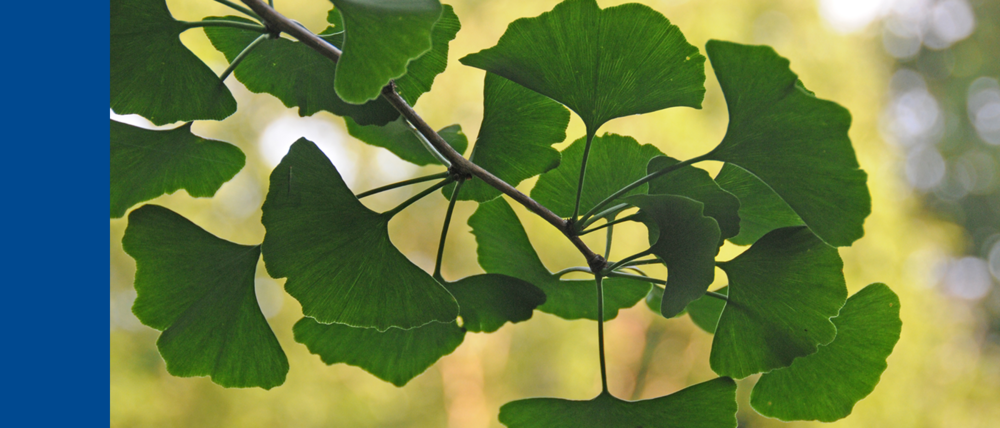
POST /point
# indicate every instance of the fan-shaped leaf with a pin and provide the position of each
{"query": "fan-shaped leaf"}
(761, 210)
(199, 290)
(395, 355)
(782, 293)
(615, 161)
(602, 64)
(706, 310)
(336, 253)
(687, 242)
(516, 137)
(709, 404)
(794, 142)
(382, 37)
(825, 386)
(695, 183)
(153, 74)
(486, 302)
(146, 164)
(504, 248)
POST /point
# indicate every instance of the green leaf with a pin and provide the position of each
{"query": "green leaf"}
(706, 310)
(420, 73)
(761, 210)
(504, 248)
(794, 142)
(687, 243)
(398, 138)
(199, 290)
(395, 355)
(488, 301)
(615, 161)
(695, 183)
(382, 36)
(825, 386)
(782, 293)
(154, 75)
(336, 253)
(602, 64)
(294, 73)
(709, 404)
(516, 137)
(146, 164)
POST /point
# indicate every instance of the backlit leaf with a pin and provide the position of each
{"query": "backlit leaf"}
(154, 75)
(486, 302)
(504, 248)
(146, 164)
(395, 355)
(825, 386)
(761, 210)
(695, 183)
(687, 242)
(615, 161)
(336, 253)
(199, 290)
(382, 36)
(706, 310)
(782, 293)
(794, 142)
(602, 64)
(709, 404)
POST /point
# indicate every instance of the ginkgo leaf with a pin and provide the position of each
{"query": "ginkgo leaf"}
(294, 73)
(154, 75)
(516, 136)
(382, 36)
(709, 404)
(761, 210)
(825, 386)
(695, 183)
(602, 64)
(399, 138)
(486, 302)
(420, 72)
(146, 164)
(795, 143)
(503, 248)
(395, 355)
(199, 290)
(615, 161)
(782, 293)
(687, 242)
(336, 253)
(706, 310)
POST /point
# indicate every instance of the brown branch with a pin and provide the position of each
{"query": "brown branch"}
(459, 164)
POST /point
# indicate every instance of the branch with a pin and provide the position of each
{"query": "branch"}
(459, 164)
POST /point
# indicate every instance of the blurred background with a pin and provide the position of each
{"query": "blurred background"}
(920, 78)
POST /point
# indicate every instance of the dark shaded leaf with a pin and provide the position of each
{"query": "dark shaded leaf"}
(602, 64)
(825, 386)
(420, 73)
(398, 138)
(146, 164)
(687, 243)
(761, 210)
(336, 253)
(706, 310)
(381, 39)
(782, 293)
(709, 404)
(395, 355)
(199, 290)
(294, 73)
(504, 248)
(486, 302)
(794, 142)
(154, 75)
(695, 183)
(615, 161)
(516, 137)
